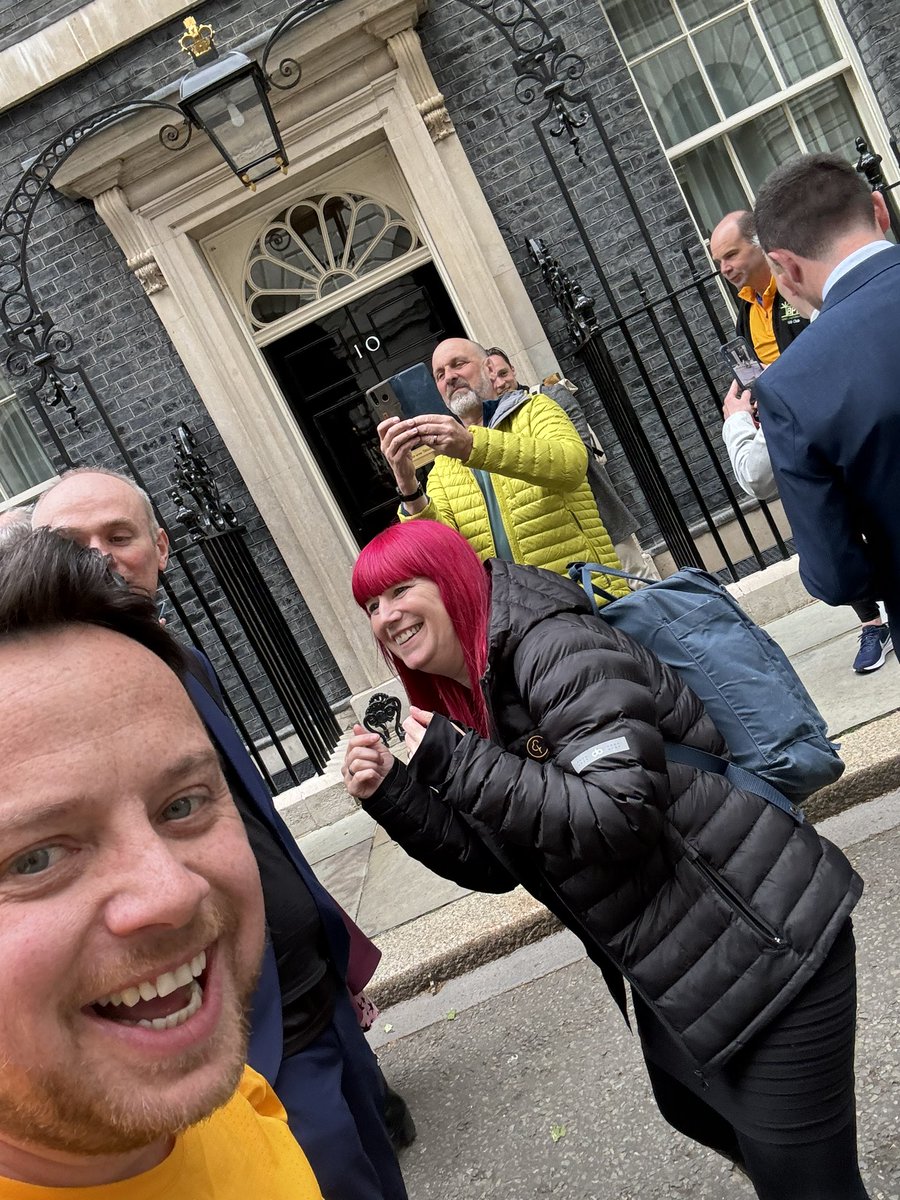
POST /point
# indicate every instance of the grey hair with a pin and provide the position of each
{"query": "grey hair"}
(15, 526)
(145, 499)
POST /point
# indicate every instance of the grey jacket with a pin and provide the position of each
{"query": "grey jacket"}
(716, 906)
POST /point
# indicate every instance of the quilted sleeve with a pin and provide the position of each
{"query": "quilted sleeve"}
(432, 832)
(600, 795)
(544, 449)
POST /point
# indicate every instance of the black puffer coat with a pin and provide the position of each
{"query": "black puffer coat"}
(715, 905)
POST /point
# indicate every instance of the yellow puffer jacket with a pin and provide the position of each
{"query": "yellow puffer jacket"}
(538, 466)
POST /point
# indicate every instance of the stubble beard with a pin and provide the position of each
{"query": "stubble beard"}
(66, 1111)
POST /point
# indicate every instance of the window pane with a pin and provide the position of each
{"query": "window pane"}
(640, 25)
(828, 120)
(764, 144)
(736, 63)
(674, 91)
(696, 11)
(798, 36)
(710, 184)
(23, 464)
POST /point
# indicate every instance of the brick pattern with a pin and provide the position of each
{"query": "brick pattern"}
(874, 27)
(79, 275)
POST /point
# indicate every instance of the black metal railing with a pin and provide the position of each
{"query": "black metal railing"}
(215, 531)
(654, 368)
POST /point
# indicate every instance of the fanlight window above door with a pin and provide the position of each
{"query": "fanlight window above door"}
(318, 246)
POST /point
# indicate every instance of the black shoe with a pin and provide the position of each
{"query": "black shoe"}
(398, 1119)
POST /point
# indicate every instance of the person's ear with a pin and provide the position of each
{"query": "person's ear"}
(162, 548)
(882, 213)
(786, 263)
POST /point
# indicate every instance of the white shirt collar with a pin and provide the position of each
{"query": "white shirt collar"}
(853, 260)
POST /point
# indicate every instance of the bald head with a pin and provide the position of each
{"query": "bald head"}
(110, 514)
(460, 371)
(736, 253)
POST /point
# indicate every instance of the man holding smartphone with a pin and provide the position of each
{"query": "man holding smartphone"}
(770, 318)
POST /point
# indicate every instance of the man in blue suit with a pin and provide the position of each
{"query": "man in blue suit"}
(304, 1035)
(830, 405)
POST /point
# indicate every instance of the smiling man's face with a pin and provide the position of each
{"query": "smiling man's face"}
(131, 920)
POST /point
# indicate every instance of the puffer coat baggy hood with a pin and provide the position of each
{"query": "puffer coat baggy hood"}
(716, 906)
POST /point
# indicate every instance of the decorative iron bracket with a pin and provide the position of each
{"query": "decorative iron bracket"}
(543, 65)
(194, 479)
(568, 295)
(32, 341)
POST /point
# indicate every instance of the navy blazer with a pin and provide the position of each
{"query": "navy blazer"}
(830, 410)
(266, 1027)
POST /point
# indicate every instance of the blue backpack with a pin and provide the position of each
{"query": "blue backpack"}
(776, 736)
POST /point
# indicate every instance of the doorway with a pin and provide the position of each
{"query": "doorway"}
(325, 367)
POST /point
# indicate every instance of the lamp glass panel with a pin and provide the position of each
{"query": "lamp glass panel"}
(236, 117)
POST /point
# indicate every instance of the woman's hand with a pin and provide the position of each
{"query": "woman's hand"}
(415, 725)
(366, 763)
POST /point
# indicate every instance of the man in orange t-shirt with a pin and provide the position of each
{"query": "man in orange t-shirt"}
(132, 916)
(768, 320)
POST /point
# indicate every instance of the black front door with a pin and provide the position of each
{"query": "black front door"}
(325, 368)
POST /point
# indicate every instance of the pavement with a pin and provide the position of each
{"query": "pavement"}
(524, 1081)
(430, 930)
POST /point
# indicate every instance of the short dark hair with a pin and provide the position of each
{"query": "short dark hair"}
(746, 226)
(809, 202)
(49, 582)
(492, 350)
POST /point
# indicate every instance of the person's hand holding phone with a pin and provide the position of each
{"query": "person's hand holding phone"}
(397, 439)
(738, 399)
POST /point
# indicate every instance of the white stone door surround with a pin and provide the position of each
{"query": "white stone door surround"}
(367, 117)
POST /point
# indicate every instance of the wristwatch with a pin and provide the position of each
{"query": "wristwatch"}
(420, 491)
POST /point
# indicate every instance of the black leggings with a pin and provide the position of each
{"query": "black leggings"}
(827, 1170)
(783, 1107)
(867, 610)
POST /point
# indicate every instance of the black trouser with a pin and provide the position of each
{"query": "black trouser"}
(867, 610)
(827, 1170)
(783, 1107)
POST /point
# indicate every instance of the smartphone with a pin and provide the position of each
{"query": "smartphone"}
(742, 362)
(407, 394)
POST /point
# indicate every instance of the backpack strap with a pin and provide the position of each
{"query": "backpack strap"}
(701, 760)
(581, 572)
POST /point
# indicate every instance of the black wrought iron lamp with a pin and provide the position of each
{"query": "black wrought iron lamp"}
(226, 98)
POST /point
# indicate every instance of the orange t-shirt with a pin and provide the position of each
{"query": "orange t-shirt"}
(244, 1150)
(762, 331)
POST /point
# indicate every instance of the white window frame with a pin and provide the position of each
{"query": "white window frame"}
(849, 67)
(9, 395)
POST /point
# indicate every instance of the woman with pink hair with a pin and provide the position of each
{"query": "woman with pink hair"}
(536, 739)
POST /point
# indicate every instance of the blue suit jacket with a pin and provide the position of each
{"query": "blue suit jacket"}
(266, 1028)
(830, 410)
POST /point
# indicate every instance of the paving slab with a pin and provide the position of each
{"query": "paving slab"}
(847, 700)
(811, 626)
(344, 876)
(349, 831)
(399, 889)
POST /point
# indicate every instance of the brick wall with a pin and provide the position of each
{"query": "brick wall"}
(79, 275)
(874, 27)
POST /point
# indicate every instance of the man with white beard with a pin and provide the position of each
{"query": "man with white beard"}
(511, 478)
